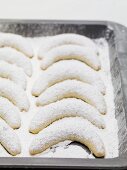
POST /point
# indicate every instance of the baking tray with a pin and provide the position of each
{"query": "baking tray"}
(116, 36)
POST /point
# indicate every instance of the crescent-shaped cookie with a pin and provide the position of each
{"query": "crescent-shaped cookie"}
(14, 93)
(66, 52)
(8, 139)
(67, 69)
(10, 113)
(74, 129)
(70, 107)
(73, 89)
(13, 73)
(16, 41)
(66, 39)
(17, 58)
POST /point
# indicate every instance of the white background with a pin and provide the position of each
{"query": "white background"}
(112, 10)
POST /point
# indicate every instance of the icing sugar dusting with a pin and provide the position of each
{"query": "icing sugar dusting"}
(65, 149)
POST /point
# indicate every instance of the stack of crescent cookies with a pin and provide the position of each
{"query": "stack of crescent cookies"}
(70, 95)
(69, 92)
(15, 67)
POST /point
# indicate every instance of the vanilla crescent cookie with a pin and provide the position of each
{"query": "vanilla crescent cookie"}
(70, 107)
(73, 89)
(10, 113)
(67, 69)
(17, 58)
(67, 52)
(65, 39)
(13, 73)
(74, 129)
(9, 139)
(16, 41)
(15, 94)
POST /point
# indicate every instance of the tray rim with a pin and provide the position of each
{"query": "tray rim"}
(62, 21)
(68, 163)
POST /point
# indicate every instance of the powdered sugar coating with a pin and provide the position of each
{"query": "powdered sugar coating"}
(13, 56)
(13, 73)
(65, 108)
(16, 41)
(73, 89)
(109, 134)
(66, 52)
(67, 69)
(9, 139)
(14, 93)
(10, 113)
(65, 39)
(74, 129)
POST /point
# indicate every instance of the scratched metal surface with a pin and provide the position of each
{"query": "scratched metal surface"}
(117, 39)
(119, 78)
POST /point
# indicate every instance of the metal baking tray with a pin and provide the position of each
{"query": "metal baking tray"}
(116, 36)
